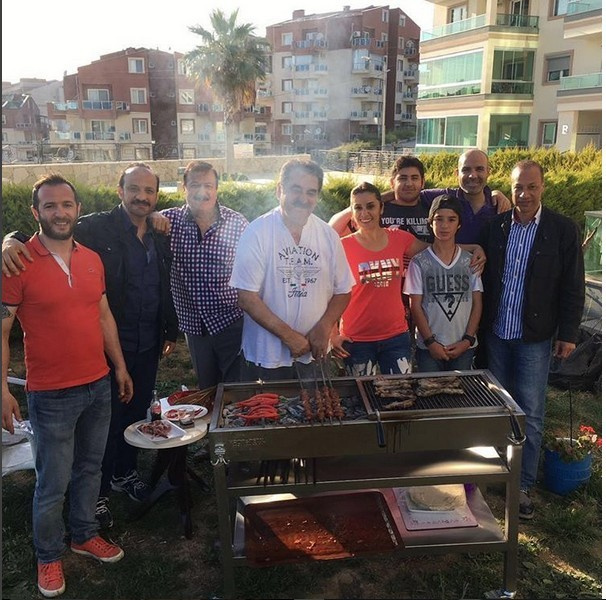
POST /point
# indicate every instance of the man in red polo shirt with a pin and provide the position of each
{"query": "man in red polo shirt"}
(68, 328)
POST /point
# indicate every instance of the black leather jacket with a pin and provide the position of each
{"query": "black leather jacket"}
(554, 287)
(104, 232)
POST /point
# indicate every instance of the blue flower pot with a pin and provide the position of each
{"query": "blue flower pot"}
(562, 477)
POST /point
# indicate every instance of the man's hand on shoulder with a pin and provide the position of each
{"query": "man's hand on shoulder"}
(12, 262)
(159, 222)
(501, 201)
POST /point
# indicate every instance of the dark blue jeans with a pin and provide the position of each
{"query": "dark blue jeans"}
(427, 363)
(70, 427)
(120, 457)
(523, 369)
(391, 356)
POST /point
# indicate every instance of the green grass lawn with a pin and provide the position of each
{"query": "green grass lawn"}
(559, 551)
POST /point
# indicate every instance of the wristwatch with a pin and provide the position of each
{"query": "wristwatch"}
(470, 339)
(429, 341)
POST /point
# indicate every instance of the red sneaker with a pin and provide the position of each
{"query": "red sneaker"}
(51, 582)
(98, 548)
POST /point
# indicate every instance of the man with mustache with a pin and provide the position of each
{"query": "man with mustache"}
(203, 238)
(137, 263)
(69, 337)
(293, 280)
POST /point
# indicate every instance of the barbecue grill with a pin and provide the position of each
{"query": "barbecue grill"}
(427, 443)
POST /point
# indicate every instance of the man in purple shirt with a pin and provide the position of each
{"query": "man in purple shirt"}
(480, 204)
(203, 239)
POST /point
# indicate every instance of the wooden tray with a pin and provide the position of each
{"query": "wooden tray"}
(318, 528)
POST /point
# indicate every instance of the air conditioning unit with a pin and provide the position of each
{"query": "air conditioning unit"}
(357, 34)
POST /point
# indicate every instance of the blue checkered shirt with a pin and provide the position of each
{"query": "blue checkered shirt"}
(202, 265)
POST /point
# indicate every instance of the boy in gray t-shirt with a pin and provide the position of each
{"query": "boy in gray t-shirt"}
(445, 294)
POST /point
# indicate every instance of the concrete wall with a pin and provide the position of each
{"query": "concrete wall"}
(108, 173)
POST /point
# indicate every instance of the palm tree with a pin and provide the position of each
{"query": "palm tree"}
(230, 59)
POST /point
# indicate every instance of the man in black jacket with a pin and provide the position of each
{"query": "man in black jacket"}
(137, 264)
(533, 292)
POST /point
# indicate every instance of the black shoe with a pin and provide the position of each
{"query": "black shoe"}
(136, 489)
(526, 505)
(102, 513)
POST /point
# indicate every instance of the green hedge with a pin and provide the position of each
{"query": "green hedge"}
(573, 185)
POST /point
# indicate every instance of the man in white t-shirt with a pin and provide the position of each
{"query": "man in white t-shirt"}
(292, 277)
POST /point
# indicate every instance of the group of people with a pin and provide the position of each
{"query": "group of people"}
(264, 301)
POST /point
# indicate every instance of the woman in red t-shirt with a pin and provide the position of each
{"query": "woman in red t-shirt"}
(373, 330)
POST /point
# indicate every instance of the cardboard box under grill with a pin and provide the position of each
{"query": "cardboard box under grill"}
(319, 528)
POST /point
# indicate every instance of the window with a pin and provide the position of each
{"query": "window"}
(508, 130)
(556, 67)
(287, 39)
(139, 125)
(512, 72)
(385, 16)
(457, 13)
(136, 65)
(448, 131)
(560, 7)
(287, 129)
(549, 130)
(3, 119)
(4, 137)
(400, 65)
(286, 107)
(186, 96)
(287, 62)
(402, 21)
(138, 96)
(458, 75)
(187, 126)
(286, 85)
(97, 95)
(181, 67)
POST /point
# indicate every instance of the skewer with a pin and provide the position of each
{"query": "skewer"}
(328, 405)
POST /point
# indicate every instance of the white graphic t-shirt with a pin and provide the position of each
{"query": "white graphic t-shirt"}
(295, 281)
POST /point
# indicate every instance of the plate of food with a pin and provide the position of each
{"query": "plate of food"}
(160, 431)
(180, 410)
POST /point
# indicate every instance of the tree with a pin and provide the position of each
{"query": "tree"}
(229, 59)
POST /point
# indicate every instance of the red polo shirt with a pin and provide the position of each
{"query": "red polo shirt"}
(62, 330)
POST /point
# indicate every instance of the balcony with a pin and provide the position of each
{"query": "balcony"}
(590, 83)
(366, 90)
(452, 28)
(584, 20)
(449, 91)
(103, 136)
(511, 87)
(316, 43)
(407, 117)
(525, 23)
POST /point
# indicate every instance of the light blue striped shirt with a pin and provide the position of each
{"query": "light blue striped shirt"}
(508, 324)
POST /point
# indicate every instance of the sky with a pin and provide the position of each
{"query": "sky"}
(45, 39)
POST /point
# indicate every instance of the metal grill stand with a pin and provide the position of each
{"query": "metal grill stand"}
(423, 446)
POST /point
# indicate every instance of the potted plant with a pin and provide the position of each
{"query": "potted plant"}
(568, 460)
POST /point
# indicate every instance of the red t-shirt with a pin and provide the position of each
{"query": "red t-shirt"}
(63, 338)
(375, 311)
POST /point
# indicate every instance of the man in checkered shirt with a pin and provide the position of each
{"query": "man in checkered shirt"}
(204, 236)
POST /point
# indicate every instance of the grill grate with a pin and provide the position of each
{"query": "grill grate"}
(479, 393)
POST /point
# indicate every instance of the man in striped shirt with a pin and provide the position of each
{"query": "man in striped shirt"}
(533, 292)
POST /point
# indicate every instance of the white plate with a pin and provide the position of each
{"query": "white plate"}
(172, 414)
(173, 432)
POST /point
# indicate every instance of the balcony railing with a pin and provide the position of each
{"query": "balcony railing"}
(452, 28)
(511, 87)
(575, 8)
(518, 21)
(581, 82)
(91, 105)
(447, 92)
(100, 136)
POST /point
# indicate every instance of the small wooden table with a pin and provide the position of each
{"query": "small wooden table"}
(171, 458)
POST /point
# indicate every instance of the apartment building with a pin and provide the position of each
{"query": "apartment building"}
(498, 73)
(336, 77)
(23, 128)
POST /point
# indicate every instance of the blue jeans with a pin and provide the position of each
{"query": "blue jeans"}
(426, 362)
(70, 427)
(391, 356)
(523, 369)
